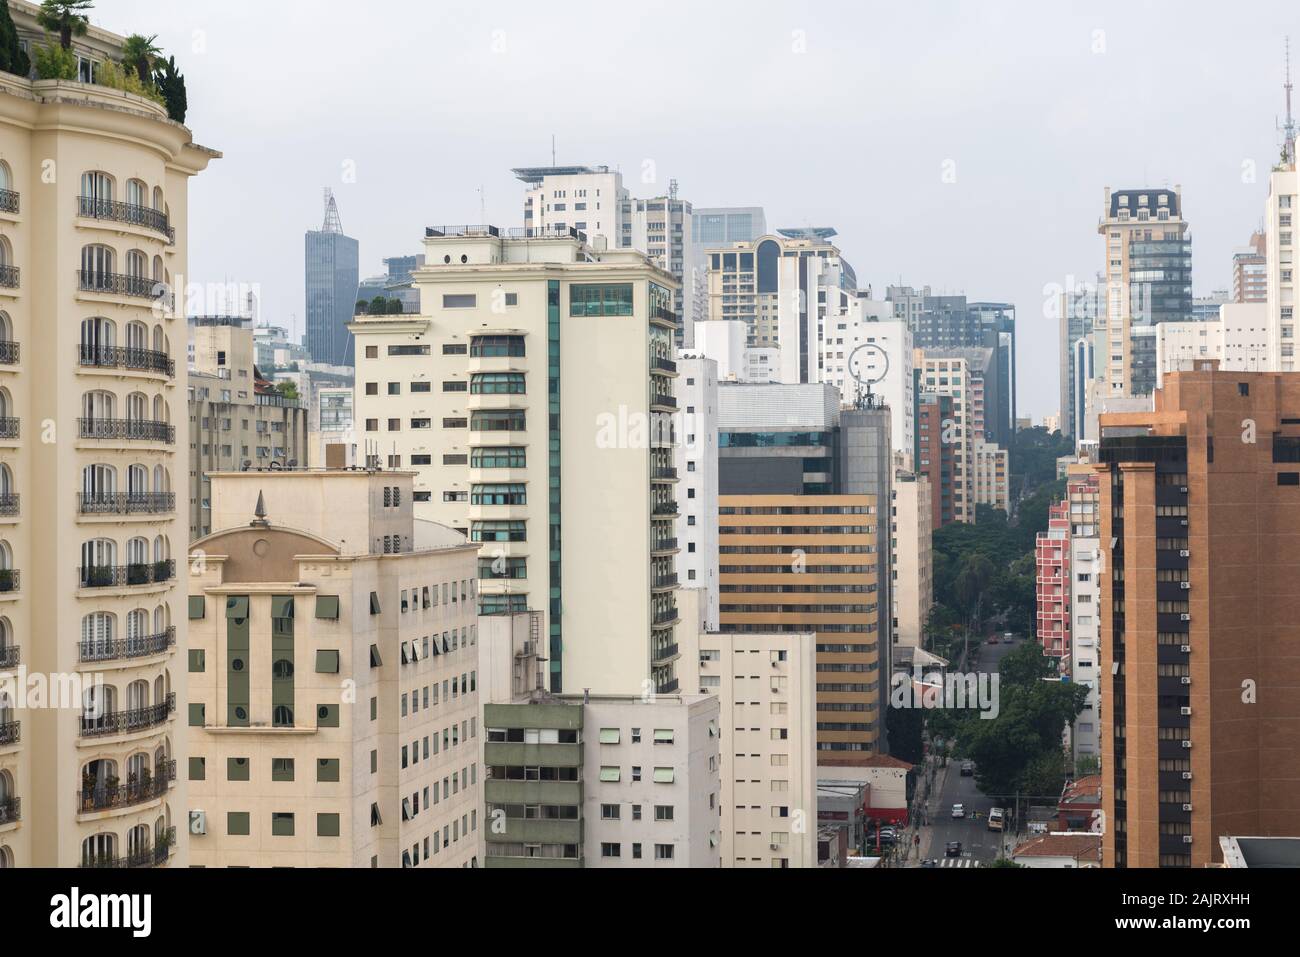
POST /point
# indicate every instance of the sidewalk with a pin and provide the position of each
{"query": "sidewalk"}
(932, 807)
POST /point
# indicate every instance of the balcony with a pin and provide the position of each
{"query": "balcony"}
(125, 576)
(659, 401)
(10, 580)
(667, 687)
(126, 357)
(9, 427)
(125, 503)
(664, 317)
(154, 220)
(9, 277)
(663, 545)
(666, 617)
(154, 856)
(662, 365)
(142, 430)
(9, 201)
(11, 811)
(663, 474)
(115, 796)
(119, 649)
(10, 656)
(126, 722)
(10, 733)
(120, 284)
(9, 502)
(9, 352)
(665, 510)
(663, 655)
(664, 581)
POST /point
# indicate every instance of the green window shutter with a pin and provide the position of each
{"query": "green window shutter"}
(610, 774)
(196, 715)
(236, 769)
(327, 606)
(609, 736)
(327, 716)
(282, 769)
(237, 606)
(197, 607)
(664, 776)
(374, 603)
(663, 736)
(281, 606)
(198, 661)
(237, 822)
(281, 824)
(327, 825)
(327, 769)
(198, 769)
(375, 660)
(327, 662)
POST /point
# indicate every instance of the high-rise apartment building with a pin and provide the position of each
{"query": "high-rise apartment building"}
(695, 460)
(660, 227)
(333, 274)
(534, 400)
(1086, 568)
(333, 704)
(796, 563)
(237, 420)
(89, 533)
(1078, 308)
(937, 442)
(911, 548)
(1279, 229)
(953, 377)
(1052, 559)
(1250, 270)
(991, 476)
(1148, 281)
(1198, 508)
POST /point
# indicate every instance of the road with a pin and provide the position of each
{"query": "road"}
(979, 844)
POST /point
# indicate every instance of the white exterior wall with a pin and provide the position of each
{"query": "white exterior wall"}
(1240, 339)
(868, 322)
(912, 556)
(1280, 223)
(1085, 598)
(696, 460)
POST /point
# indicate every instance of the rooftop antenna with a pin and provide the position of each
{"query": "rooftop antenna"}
(482, 206)
(672, 189)
(1288, 128)
(552, 149)
(332, 222)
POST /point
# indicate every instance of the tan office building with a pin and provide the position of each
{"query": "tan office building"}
(93, 213)
(236, 419)
(333, 698)
(534, 401)
(797, 563)
(1199, 628)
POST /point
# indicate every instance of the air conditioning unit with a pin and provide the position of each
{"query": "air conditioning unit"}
(1187, 586)
(1183, 489)
(1182, 522)
(1187, 775)
(198, 822)
(1184, 553)
(1185, 649)
(774, 847)
(1186, 679)
(1187, 745)
(1185, 712)
(1185, 617)
(1187, 808)
(1187, 838)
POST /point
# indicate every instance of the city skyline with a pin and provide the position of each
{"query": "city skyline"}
(1194, 127)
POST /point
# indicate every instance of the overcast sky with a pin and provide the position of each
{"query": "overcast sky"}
(845, 114)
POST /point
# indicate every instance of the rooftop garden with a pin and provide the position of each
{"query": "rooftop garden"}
(142, 69)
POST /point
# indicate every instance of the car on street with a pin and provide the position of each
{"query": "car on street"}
(993, 639)
(958, 810)
(1008, 636)
(967, 769)
(996, 819)
(929, 863)
(953, 849)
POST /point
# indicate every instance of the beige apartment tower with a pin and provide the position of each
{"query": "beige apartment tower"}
(93, 212)
(333, 695)
(534, 401)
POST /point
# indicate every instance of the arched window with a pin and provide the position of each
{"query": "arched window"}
(96, 555)
(98, 405)
(160, 340)
(6, 403)
(98, 337)
(6, 327)
(99, 850)
(137, 264)
(137, 336)
(162, 619)
(97, 266)
(162, 481)
(6, 857)
(137, 407)
(98, 632)
(6, 635)
(6, 556)
(6, 252)
(137, 193)
(158, 272)
(6, 481)
(139, 842)
(158, 198)
(98, 704)
(137, 695)
(161, 549)
(137, 481)
(137, 551)
(137, 629)
(97, 187)
(161, 413)
(98, 482)
(6, 176)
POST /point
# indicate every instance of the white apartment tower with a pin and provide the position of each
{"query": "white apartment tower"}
(534, 400)
(696, 462)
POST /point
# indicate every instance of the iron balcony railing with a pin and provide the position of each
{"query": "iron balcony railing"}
(124, 722)
(116, 649)
(9, 276)
(10, 580)
(143, 430)
(667, 687)
(9, 427)
(10, 733)
(125, 503)
(9, 352)
(117, 576)
(664, 617)
(9, 201)
(664, 581)
(663, 472)
(665, 653)
(665, 508)
(108, 797)
(11, 810)
(154, 856)
(10, 656)
(126, 357)
(665, 401)
(663, 365)
(664, 545)
(9, 502)
(121, 284)
(152, 219)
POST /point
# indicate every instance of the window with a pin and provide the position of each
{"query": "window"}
(600, 300)
(609, 736)
(197, 610)
(459, 301)
(327, 825)
(281, 824)
(663, 852)
(237, 822)
(609, 812)
(497, 346)
(236, 769)
(508, 531)
(282, 769)
(327, 770)
(497, 420)
(610, 850)
(499, 457)
(497, 383)
(327, 662)
(664, 776)
(454, 386)
(327, 607)
(610, 774)
(663, 812)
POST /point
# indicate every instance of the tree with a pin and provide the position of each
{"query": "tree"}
(394, 306)
(13, 58)
(378, 306)
(361, 308)
(287, 389)
(67, 18)
(172, 87)
(139, 54)
(1003, 862)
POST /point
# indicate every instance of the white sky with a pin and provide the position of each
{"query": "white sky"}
(428, 101)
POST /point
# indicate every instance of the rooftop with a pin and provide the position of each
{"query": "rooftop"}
(533, 175)
(1260, 851)
(1078, 846)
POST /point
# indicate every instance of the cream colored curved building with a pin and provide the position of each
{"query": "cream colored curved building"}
(92, 439)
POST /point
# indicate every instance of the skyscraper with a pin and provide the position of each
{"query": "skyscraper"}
(333, 276)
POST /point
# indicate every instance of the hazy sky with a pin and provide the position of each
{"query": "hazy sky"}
(844, 114)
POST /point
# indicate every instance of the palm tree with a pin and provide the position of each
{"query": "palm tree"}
(139, 53)
(66, 18)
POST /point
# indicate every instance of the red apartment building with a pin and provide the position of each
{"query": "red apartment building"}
(1053, 583)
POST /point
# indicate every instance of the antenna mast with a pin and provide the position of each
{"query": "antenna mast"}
(1288, 147)
(332, 222)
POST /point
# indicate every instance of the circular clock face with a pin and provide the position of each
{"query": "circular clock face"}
(869, 364)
